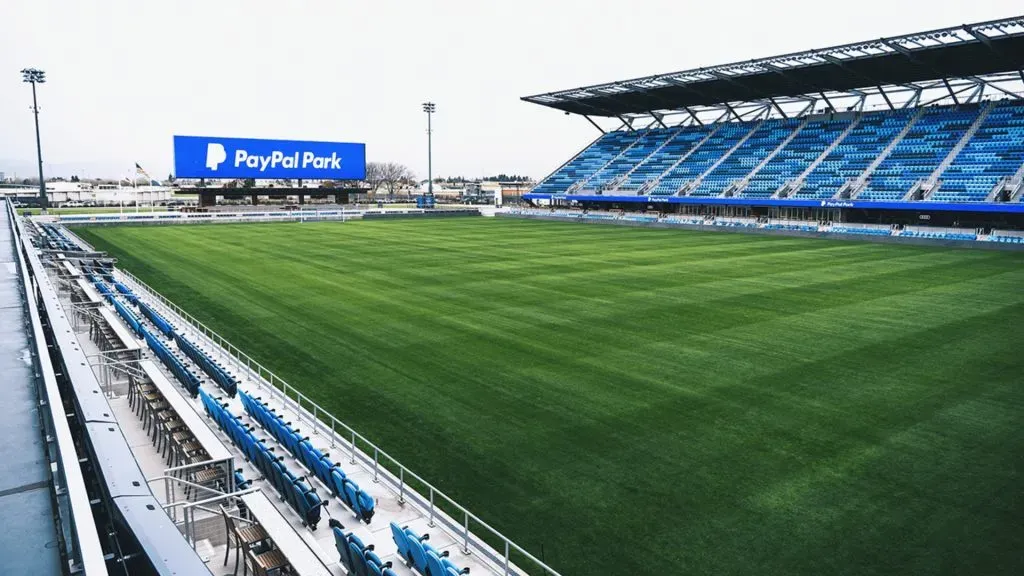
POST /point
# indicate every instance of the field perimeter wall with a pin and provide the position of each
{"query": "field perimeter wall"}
(776, 232)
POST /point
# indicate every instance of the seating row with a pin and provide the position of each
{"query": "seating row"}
(169, 433)
(421, 556)
(101, 287)
(358, 558)
(300, 496)
(1008, 239)
(218, 373)
(127, 292)
(939, 235)
(128, 316)
(867, 231)
(161, 323)
(55, 239)
(320, 464)
(173, 363)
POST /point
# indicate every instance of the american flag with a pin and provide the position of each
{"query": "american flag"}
(139, 170)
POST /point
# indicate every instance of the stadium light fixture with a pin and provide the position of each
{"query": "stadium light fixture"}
(35, 76)
(430, 108)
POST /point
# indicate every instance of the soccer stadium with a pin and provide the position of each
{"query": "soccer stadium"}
(769, 324)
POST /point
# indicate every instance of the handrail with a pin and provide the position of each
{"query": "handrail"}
(186, 483)
(85, 548)
(261, 373)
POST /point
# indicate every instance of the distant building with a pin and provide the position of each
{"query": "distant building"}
(59, 193)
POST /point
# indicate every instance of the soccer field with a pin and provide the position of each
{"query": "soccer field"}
(638, 401)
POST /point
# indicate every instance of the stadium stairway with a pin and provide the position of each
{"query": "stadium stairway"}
(688, 142)
(930, 186)
(650, 166)
(746, 157)
(791, 188)
(616, 171)
(715, 152)
(916, 155)
(994, 153)
(783, 162)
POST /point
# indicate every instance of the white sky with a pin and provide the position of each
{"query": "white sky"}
(125, 75)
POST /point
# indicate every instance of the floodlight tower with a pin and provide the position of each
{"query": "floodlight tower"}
(430, 108)
(35, 76)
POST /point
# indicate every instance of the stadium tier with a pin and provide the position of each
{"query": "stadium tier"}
(927, 119)
(958, 153)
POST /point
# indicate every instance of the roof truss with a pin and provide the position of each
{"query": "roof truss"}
(802, 71)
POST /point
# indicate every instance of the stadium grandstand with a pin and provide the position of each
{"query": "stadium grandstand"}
(877, 131)
(162, 449)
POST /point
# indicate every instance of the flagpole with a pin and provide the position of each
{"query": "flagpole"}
(135, 186)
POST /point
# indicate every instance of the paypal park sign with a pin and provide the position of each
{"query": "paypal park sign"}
(212, 157)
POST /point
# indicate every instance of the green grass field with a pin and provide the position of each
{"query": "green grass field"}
(648, 401)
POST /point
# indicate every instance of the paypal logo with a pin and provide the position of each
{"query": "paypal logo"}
(201, 157)
(215, 155)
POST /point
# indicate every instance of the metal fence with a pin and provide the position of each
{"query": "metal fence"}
(475, 534)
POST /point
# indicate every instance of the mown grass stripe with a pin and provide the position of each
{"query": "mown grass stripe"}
(647, 401)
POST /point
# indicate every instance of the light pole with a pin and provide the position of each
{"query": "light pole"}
(430, 108)
(35, 76)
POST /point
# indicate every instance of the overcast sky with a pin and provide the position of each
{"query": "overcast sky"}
(125, 75)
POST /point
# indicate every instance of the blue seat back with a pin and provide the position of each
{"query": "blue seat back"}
(365, 504)
(419, 556)
(350, 495)
(337, 482)
(341, 544)
(401, 540)
(358, 561)
(434, 566)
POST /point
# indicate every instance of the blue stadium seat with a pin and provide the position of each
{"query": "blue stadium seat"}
(401, 539)
(421, 556)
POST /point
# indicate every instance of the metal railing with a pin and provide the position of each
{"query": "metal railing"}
(78, 531)
(178, 479)
(384, 466)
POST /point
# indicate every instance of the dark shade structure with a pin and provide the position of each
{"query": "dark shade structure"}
(966, 51)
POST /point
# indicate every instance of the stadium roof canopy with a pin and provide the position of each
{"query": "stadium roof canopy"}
(959, 61)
